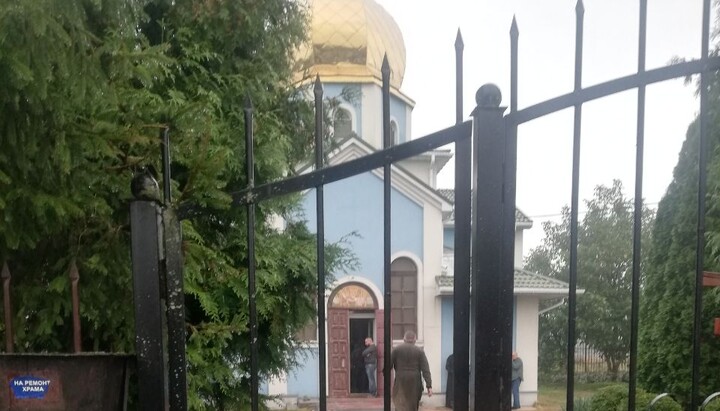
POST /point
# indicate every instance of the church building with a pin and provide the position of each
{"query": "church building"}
(347, 43)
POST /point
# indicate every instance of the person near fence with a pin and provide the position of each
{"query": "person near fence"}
(370, 357)
(450, 391)
(411, 368)
(358, 378)
(517, 377)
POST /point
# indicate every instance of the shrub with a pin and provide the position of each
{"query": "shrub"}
(664, 404)
(614, 398)
(714, 405)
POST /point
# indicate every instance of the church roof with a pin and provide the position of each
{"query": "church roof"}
(348, 40)
(449, 194)
(526, 282)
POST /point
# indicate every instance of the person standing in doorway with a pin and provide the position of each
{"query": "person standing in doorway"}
(411, 367)
(370, 357)
(450, 391)
(517, 377)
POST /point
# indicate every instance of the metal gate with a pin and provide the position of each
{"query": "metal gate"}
(485, 175)
(705, 66)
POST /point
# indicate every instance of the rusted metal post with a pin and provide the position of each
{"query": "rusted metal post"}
(150, 357)
(175, 302)
(74, 280)
(8, 308)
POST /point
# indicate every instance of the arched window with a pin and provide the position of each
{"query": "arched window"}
(342, 123)
(394, 133)
(403, 288)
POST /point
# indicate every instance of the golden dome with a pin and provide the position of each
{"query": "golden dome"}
(348, 39)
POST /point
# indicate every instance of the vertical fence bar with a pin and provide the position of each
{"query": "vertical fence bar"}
(74, 280)
(638, 212)
(487, 251)
(572, 298)
(250, 164)
(461, 283)
(514, 37)
(174, 288)
(165, 136)
(508, 250)
(459, 47)
(387, 142)
(320, 212)
(702, 187)
(7, 306)
(145, 232)
(175, 301)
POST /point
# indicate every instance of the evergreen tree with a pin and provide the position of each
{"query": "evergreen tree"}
(85, 88)
(666, 327)
(604, 272)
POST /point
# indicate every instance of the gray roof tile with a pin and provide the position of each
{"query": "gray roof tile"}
(449, 194)
(523, 279)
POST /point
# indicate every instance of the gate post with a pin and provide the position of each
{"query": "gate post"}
(145, 220)
(491, 334)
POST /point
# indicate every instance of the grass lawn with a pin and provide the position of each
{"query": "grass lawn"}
(552, 397)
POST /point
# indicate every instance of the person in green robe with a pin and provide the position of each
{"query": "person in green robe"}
(411, 368)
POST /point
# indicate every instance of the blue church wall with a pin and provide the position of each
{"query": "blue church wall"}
(398, 107)
(446, 340)
(356, 205)
(332, 90)
(303, 380)
(399, 112)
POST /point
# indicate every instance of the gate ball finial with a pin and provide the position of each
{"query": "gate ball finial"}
(488, 96)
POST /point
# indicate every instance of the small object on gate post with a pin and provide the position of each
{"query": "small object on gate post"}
(74, 280)
(144, 185)
(8, 308)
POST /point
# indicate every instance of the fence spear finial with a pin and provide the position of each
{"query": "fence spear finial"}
(459, 44)
(318, 89)
(385, 68)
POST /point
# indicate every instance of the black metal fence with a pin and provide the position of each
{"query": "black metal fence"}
(485, 165)
(705, 66)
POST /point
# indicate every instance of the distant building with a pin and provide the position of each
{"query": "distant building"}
(348, 41)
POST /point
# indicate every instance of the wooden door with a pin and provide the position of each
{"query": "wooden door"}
(339, 372)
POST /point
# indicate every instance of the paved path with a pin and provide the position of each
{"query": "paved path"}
(375, 404)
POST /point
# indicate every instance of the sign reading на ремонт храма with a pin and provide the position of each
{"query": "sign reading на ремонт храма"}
(29, 387)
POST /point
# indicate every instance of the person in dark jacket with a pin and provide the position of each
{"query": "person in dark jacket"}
(411, 367)
(450, 391)
(358, 380)
(516, 377)
(370, 358)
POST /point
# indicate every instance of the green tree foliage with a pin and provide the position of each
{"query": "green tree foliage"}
(85, 88)
(604, 272)
(666, 327)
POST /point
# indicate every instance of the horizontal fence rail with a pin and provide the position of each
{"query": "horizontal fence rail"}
(615, 86)
(353, 167)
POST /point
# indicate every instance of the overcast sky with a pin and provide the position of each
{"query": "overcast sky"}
(546, 70)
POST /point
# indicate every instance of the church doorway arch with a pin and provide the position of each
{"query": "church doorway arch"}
(353, 314)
